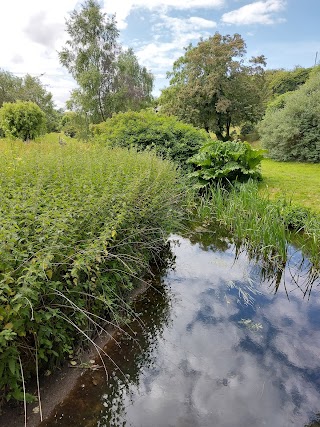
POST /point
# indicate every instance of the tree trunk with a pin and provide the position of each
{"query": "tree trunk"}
(219, 131)
(228, 124)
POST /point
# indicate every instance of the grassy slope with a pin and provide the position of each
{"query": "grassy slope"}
(299, 182)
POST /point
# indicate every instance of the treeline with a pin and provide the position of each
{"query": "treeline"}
(213, 86)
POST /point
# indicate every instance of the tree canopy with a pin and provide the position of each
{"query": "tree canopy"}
(212, 85)
(22, 119)
(109, 79)
(28, 88)
(290, 129)
(282, 81)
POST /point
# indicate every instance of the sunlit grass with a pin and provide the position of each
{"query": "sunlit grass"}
(298, 182)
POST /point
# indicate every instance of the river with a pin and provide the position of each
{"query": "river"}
(215, 344)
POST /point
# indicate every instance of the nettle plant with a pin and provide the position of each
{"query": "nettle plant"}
(226, 162)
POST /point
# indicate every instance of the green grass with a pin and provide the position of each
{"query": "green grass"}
(298, 182)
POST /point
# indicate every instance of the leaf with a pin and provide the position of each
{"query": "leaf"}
(49, 274)
(12, 366)
(8, 325)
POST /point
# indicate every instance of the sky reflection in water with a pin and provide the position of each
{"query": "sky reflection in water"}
(218, 349)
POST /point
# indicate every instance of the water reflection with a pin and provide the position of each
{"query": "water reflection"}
(218, 348)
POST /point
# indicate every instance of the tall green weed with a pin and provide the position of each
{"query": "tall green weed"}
(79, 225)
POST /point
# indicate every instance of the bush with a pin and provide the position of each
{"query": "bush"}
(78, 224)
(226, 162)
(22, 119)
(169, 137)
(290, 129)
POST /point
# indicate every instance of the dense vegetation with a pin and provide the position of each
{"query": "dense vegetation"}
(29, 88)
(22, 119)
(81, 223)
(291, 127)
(147, 130)
(79, 226)
(226, 162)
(261, 225)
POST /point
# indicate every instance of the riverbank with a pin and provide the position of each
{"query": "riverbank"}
(80, 225)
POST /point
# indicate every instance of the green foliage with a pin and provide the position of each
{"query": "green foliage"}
(230, 161)
(79, 224)
(261, 225)
(76, 124)
(283, 81)
(213, 87)
(29, 88)
(169, 137)
(295, 217)
(109, 79)
(22, 119)
(290, 129)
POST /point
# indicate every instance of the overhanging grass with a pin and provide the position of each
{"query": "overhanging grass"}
(260, 224)
(78, 226)
(299, 182)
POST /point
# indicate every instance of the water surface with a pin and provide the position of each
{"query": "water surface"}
(214, 346)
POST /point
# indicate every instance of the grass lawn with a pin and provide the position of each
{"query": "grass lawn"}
(299, 182)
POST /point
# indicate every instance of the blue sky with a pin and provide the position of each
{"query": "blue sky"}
(285, 31)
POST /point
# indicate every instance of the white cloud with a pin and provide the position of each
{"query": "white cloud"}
(122, 9)
(159, 56)
(260, 12)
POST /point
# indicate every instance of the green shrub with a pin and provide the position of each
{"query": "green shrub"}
(290, 129)
(79, 224)
(169, 137)
(230, 161)
(295, 217)
(22, 119)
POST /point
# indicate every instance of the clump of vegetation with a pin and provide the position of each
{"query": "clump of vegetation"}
(147, 130)
(290, 129)
(282, 81)
(22, 119)
(29, 88)
(260, 224)
(79, 226)
(226, 162)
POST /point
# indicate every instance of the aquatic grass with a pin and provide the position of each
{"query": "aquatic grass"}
(78, 222)
(261, 226)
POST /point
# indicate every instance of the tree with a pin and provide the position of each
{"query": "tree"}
(211, 85)
(29, 88)
(22, 119)
(290, 129)
(106, 77)
(134, 83)
(10, 86)
(33, 90)
(282, 81)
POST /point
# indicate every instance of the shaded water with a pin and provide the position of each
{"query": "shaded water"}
(214, 346)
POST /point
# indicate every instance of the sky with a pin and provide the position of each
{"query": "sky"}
(33, 32)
